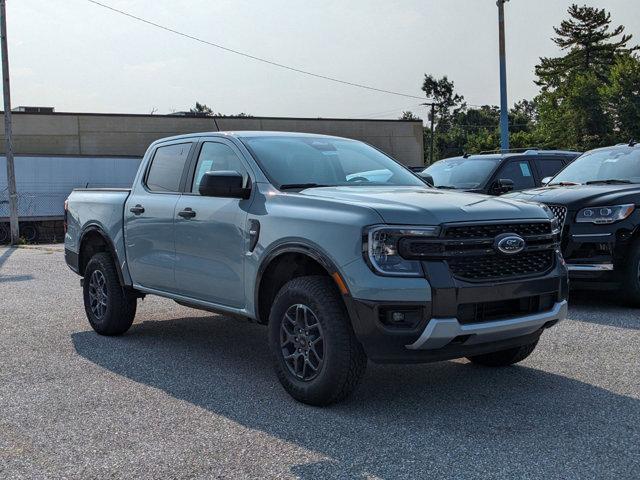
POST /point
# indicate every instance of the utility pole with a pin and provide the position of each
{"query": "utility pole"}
(433, 115)
(504, 113)
(11, 174)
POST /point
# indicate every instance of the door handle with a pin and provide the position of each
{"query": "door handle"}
(187, 213)
(137, 210)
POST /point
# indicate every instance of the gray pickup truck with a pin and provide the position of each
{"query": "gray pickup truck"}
(342, 252)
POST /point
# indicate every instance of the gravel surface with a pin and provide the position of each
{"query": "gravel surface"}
(187, 394)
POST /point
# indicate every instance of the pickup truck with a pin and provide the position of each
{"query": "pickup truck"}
(280, 228)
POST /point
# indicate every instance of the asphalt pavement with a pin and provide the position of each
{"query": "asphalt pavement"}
(188, 394)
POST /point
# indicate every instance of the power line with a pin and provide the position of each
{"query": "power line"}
(253, 57)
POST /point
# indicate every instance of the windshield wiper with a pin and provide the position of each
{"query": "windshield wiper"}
(609, 181)
(447, 187)
(564, 184)
(291, 186)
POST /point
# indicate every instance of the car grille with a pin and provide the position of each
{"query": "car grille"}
(560, 212)
(500, 310)
(493, 267)
(470, 254)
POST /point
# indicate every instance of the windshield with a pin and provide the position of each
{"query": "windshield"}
(616, 165)
(461, 172)
(298, 162)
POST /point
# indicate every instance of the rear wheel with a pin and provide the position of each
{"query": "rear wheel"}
(318, 359)
(5, 235)
(632, 275)
(29, 231)
(504, 358)
(109, 307)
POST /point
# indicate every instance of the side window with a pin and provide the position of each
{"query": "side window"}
(166, 168)
(519, 172)
(549, 167)
(215, 157)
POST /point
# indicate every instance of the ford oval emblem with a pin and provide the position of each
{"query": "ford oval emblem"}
(509, 243)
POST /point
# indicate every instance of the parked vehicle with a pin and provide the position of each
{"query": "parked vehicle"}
(498, 173)
(595, 199)
(280, 228)
(45, 181)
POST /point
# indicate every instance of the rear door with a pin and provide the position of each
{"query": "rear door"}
(149, 213)
(210, 231)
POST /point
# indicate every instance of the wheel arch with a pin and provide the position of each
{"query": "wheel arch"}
(286, 261)
(94, 240)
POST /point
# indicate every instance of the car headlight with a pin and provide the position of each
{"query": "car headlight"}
(381, 249)
(604, 215)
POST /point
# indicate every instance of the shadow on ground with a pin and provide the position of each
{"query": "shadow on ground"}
(11, 278)
(610, 308)
(411, 421)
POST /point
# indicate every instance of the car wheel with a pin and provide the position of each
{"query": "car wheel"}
(109, 307)
(504, 358)
(632, 275)
(29, 232)
(318, 359)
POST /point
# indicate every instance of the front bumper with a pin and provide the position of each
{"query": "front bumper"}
(444, 331)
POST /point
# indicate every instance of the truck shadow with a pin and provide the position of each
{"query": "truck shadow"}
(11, 278)
(404, 421)
(609, 308)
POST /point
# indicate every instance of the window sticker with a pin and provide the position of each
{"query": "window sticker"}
(524, 168)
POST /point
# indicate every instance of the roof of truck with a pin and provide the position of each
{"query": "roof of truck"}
(246, 133)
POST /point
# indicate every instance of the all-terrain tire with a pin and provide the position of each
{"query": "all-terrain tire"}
(504, 358)
(344, 360)
(117, 307)
(632, 275)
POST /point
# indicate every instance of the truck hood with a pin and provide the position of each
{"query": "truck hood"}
(427, 206)
(580, 196)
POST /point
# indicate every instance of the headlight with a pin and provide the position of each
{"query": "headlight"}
(604, 215)
(381, 249)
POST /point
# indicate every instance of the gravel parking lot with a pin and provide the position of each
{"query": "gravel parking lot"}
(192, 395)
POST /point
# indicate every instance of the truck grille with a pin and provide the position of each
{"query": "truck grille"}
(471, 254)
(496, 267)
(560, 212)
(500, 310)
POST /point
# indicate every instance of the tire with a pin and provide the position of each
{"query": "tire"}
(339, 358)
(504, 358)
(5, 235)
(109, 307)
(632, 275)
(30, 232)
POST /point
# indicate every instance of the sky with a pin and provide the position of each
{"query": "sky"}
(78, 57)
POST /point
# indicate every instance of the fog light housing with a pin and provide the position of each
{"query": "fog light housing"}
(400, 317)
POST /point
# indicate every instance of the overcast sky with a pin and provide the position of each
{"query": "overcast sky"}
(79, 57)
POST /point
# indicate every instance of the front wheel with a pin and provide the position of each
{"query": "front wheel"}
(504, 358)
(109, 307)
(318, 359)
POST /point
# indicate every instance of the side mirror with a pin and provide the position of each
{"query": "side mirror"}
(546, 180)
(223, 183)
(427, 178)
(502, 185)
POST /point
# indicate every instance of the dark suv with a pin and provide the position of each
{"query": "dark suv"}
(497, 173)
(596, 200)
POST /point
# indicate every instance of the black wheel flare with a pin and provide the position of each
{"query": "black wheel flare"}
(98, 294)
(302, 342)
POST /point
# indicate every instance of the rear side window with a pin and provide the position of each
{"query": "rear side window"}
(166, 168)
(549, 167)
(519, 172)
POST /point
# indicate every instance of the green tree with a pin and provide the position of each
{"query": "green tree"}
(591, 44)
(202, 109)
(408, 115)
(622, 97)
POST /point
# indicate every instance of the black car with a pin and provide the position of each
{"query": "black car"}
(498, 173)
(596, 200)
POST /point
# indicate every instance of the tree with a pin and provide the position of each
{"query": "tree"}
(442, 92)
(592, 46)
(202, 109)
(622, 97)
(408, 115)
